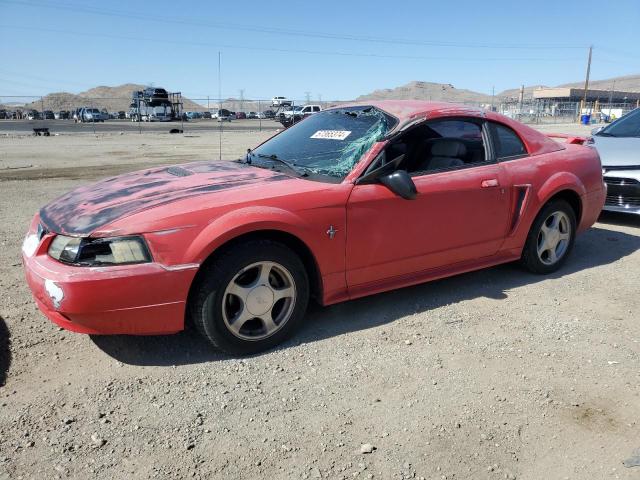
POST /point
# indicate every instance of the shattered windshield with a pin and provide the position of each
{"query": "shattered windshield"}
(329, 142)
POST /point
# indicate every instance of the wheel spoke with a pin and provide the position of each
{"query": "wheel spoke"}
(542, 248)
(269, 324)
(236, 324)
(263, 273)
(286, 292)
(564, 236)
(238, 290)
(544, 229)
(552, 255)
(555, 221)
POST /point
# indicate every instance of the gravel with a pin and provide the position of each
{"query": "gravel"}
(489, 375)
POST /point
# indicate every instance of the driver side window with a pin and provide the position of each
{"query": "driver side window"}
(441, 145)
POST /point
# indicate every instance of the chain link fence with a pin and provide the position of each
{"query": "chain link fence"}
(549, 112)
(67, 112)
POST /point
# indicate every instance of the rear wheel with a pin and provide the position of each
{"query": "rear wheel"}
(550, 239)
(251, 298)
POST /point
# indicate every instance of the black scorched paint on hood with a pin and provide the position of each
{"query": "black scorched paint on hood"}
(87, 208)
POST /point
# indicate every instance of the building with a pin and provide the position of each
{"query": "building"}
(569, 94)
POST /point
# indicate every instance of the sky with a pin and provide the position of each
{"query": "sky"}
(329, 50)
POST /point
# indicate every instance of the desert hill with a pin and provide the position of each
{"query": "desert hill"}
(427, 91)
(111, 98)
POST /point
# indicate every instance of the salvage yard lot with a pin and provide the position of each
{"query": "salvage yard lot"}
(493, 374)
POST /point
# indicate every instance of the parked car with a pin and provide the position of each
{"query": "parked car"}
(295, 114)
(155, 93)
(206, 114)
(48, 115)
(4, 114)
(280, 102)
(619, 147)
(62, 115)
(33, 115)
(76, 114)
(269, 114)
(91, 115)
(224, 115)
(353, 201)
(252, 115)
(193, 115)
(241, 115)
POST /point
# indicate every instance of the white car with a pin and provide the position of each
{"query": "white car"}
(302, 110)
(618, 145)
(92, 115)
(280, 102)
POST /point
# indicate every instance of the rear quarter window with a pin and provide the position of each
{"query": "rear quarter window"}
(506, 142)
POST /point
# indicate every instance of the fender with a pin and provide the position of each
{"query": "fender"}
(538, 198)
(558, 182)
(554, 184)
(246, 220)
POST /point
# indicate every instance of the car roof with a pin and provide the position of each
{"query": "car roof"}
(406, 111)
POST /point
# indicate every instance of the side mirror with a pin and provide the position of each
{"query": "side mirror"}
(596, 130)
(400, 183)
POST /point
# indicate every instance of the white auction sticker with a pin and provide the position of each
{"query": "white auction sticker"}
(332, 134)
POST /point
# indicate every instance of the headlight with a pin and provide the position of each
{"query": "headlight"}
(99, 251)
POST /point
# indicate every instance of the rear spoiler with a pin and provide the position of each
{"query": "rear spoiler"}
(572, 139)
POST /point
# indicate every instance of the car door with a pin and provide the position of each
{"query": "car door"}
(460, 214)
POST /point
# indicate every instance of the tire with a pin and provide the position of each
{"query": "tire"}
(547, 246)
(242, 282)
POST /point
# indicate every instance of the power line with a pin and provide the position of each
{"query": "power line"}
(475, 58)
(282, 31)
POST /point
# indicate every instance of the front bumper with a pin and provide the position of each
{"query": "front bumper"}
(623, 191)
(143, 299)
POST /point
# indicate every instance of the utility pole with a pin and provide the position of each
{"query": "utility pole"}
(219, 108)
(307, 96)
(613, 86)
(493, 94)
(521, 98)
(586, 80)
(241, 99)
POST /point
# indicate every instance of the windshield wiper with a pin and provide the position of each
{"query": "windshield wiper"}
(605, 134)
(297, 169)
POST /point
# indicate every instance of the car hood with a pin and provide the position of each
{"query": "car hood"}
(618, 151)
(83, 210)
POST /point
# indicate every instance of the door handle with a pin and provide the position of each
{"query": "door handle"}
(492, 182)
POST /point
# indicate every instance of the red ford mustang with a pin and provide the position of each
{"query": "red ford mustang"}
(351, 201)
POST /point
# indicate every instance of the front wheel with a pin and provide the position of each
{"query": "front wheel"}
(251, 298)
(550, 239)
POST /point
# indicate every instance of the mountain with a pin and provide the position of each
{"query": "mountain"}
(111, 98)
(428, 91)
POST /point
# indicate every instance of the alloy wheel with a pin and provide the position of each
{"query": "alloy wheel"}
(554, 238)
(259, 300)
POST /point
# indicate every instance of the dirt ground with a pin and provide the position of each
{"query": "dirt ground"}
(496, 374)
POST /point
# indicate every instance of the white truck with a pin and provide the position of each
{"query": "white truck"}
(295, 114)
